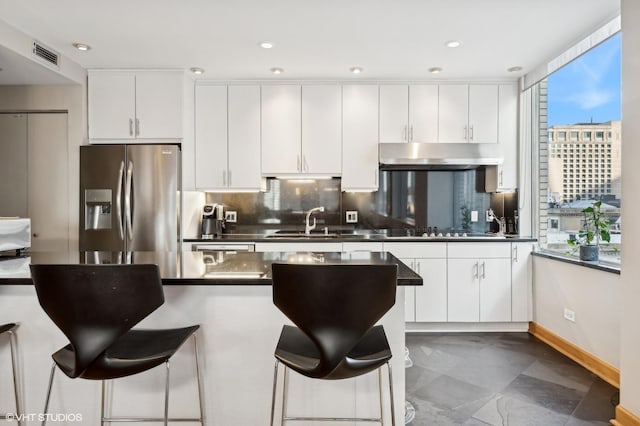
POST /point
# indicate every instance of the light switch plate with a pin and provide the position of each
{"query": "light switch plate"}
(352, 216)
(474, 215)
(231, 216)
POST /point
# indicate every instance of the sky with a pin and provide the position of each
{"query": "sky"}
(588, 88)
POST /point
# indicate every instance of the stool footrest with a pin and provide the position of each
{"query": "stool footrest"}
(149, 419)
(334, 419)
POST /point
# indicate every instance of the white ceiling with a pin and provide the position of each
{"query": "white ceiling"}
(322, 39)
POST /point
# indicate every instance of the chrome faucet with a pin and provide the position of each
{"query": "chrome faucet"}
(307, 226)
(502, 222)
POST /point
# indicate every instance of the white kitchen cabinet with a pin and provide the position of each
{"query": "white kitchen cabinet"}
(468, 113)
(301, 130)
(479, 282)
(359, 137)
(316, 246)
(504, 177)
(521, 282)
(408, 113)
(136, 106)
(227, 137)
(426, 303)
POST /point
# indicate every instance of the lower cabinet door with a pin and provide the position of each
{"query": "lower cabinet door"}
(463, 290)
(431, 296)
(409, 294)
(495, 290)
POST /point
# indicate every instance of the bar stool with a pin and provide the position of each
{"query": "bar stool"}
(335, 308)
(9, 329)
(96, 306)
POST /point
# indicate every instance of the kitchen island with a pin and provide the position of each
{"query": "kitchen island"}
(229, 294)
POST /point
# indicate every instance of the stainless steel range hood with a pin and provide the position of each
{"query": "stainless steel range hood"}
(438, 156)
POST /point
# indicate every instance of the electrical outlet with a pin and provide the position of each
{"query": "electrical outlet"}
(231, 216)
(474, 215)
(569, 315)
(352, 216)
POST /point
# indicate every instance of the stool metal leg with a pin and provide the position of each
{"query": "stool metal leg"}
(380, 394)
(393, 413)
(284, 396)
(273, 394)
(166, 397)
(46, 402)
(200, 400)
(13, 347)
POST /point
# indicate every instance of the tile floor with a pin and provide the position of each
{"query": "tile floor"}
(501, 379)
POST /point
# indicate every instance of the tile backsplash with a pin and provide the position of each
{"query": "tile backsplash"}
(406, 199)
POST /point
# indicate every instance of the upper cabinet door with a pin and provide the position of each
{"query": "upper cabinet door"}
(322, 129)
(359, 137)
(211, 137)
(453, 113)
(394, 113)
(159, 97)
(244, 137)
(111, 105)
(423, 113)
(483, 113)
(281, 146)
(508, 135)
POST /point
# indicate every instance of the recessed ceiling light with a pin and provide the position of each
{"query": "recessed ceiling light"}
(453, 43)
(82, 46)
(435, 70)
(277, 71)
(356, 70)
(266, 45)
(514, 69)
(197, 70)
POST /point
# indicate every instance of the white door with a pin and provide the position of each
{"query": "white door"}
(508, 135)
(463, 290)
(211, 137)
(483, 113)
(394, 113)
(244, 137)
(13, 165)
(423, 113)
(495, 290)
(322, 129)
(359, 137)
(159, 98)
(111, 105)
(431, 297)
(281, 147)
(521, 292)
(453, 113)
(48, 190)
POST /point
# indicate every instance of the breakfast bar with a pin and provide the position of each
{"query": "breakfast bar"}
(229, 294)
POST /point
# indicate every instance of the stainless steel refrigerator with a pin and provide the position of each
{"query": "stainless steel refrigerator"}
(129, 198)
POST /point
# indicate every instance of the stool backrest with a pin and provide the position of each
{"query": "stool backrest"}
(93, 305)
(334, 305)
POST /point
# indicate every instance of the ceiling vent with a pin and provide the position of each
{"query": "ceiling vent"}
(45, 53)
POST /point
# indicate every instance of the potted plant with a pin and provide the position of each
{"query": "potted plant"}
(594, 230)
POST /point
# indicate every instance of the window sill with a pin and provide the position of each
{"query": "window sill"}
(600, 265)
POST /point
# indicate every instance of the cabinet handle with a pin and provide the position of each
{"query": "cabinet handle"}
(471, 132)
(418, 265)
(137, 127)
(298, 163)
(465, 132)
(229, 177)
(404, 133)
(411, 133)
(483, 270)
(305, 165)
(224, 178)
(130, 127)
(500, 177)
(375, 178)
(475, 270)
(515, 254)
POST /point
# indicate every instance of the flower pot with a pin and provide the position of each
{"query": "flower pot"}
(589, 253)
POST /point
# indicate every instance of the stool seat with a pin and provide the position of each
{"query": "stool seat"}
(136, 351)
(298, 352)
(6, 327)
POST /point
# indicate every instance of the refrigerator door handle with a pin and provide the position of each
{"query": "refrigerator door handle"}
(119, 200)
(127, 200)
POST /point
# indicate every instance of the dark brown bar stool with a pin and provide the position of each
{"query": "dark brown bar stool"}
(96, 306)
(13, 346)
(335, 308)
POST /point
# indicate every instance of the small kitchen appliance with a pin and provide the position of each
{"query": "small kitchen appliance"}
(213, 224)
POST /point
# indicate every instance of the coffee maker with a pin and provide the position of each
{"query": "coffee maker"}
(213, 216)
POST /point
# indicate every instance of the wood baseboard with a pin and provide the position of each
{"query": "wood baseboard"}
(600, 368)
(625, 417)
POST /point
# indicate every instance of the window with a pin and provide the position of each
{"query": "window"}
(566, 104)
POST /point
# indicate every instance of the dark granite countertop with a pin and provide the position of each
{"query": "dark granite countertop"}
(201, 268)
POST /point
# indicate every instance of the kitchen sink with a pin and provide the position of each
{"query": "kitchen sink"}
(301, 235)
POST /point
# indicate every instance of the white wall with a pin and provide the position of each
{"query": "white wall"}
(630, 277)
(592, 294)
(71, 98)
